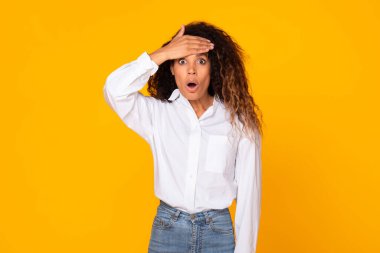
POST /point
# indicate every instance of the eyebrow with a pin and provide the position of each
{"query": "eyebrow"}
(200, 54)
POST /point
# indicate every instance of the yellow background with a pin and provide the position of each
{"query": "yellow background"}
(74, 178)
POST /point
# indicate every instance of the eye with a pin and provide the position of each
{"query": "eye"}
(181, 61)
(203, 60)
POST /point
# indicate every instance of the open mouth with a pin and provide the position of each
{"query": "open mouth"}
(192, 86)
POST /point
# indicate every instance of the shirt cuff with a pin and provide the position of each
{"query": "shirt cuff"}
(147, 63)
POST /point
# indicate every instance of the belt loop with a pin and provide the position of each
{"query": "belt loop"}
(175, 215)
(208, 218)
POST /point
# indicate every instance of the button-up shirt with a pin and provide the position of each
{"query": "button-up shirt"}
(199, 163)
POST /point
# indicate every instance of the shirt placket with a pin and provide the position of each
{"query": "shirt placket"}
(193, 158)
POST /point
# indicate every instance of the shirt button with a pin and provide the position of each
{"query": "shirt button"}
(192, 216)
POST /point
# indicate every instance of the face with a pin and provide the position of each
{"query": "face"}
(192, 75)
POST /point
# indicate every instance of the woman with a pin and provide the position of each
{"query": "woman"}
(203, 128)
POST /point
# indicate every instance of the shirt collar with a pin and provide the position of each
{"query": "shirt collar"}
(175, 94)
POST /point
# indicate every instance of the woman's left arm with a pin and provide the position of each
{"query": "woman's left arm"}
(248, 201)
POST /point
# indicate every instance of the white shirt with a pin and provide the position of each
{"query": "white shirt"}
(199, 163)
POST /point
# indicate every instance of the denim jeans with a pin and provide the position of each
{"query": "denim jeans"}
(176, 231)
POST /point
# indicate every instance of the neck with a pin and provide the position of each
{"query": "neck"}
(202, 104)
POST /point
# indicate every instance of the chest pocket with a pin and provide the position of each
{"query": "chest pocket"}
(216, 153)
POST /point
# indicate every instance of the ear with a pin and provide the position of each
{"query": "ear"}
(171, 69)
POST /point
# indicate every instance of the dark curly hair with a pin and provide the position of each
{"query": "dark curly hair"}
(227, 77)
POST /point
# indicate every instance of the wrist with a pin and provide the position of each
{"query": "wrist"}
(158, 57)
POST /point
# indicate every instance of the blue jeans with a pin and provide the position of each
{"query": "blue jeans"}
(176, 231)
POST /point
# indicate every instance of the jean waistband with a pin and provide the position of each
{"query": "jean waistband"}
(203, 214)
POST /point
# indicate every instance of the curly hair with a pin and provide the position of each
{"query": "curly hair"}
(228, 79)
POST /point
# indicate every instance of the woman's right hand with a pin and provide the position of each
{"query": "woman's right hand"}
(181, 46)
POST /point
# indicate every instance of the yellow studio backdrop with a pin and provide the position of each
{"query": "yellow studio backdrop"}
(74, 178)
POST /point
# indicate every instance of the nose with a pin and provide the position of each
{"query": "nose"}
(191, 69)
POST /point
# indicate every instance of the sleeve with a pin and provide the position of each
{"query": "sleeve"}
(248, 200)
(121, 92)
